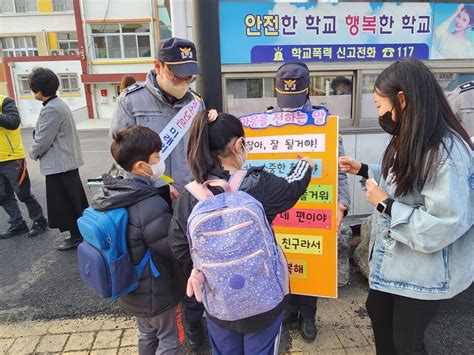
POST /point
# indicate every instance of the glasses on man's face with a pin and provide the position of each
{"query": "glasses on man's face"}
(175, 79)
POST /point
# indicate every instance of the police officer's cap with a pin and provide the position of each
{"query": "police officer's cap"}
(292, 85)
(180, 56)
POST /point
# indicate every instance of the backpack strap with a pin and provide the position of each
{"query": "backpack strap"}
(141, 266)
(236, 179)
(197, 191)
(202, 192)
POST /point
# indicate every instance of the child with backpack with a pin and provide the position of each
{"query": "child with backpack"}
(232, 255)
(154, 302)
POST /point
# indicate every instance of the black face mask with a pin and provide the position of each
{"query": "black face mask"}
(385, 121)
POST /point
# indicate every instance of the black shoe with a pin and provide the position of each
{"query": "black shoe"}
(290, 317)
(12, 231)
(194, 334)
(38, 227)
(68, 243)
(308, 328)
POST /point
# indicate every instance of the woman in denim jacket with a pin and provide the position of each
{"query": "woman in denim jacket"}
(422, 245)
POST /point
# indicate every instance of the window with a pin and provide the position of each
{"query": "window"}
(448, 80)
(131, 40)
(164, 19)
(245, 96)
(68, 82)
(18, 6)
(250, 95)
(368, 111)
(19, 46)
(63, 5)
(24, 84)
(67, 40)
(6, 6)
(334, 91)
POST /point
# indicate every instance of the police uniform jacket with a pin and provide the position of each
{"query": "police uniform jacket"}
(144, 104)
(461, 100)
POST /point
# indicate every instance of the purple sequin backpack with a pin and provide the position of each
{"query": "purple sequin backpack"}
(233, 245)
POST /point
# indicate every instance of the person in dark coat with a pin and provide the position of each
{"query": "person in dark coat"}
(155, 302)
(14, 177)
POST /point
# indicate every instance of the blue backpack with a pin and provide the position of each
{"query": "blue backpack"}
(233, 245)
(104, 262)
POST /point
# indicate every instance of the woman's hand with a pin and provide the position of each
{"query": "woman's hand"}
(375, 194)
(459, 9)
(349, 165)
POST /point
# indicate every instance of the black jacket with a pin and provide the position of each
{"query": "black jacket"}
(276, 195)
(9, 116)
(149, 214)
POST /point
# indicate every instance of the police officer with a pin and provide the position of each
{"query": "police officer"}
(154, 103)
(14, 176)
(292, 89)
(461, 100)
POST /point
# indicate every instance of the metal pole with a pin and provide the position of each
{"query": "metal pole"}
(207, 40)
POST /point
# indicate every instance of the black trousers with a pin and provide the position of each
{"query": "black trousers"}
(14, 179)
(399, 323)
(192, 310)
(306, 305)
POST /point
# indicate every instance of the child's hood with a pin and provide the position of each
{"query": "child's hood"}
(119, 192)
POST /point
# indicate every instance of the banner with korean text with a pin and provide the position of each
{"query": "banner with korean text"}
(269, 31)
(307, 232)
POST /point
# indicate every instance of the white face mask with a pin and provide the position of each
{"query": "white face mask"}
(176, 90)
(288, 109)
(158, 169)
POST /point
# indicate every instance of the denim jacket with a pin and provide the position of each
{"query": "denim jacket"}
(425, 250)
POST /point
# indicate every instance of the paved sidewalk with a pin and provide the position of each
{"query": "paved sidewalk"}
(344, 328)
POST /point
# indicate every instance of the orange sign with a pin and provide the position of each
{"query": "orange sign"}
(307, 232)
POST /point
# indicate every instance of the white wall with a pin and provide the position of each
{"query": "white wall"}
(117, 9)
(105, 104)
(28, 106)
(50, 22)
(181, 19)
(120, 68)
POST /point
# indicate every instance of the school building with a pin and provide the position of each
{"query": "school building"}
(89, 44)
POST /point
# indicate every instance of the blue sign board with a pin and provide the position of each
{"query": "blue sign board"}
(265, 31)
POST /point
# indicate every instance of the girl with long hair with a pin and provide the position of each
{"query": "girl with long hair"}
(217, 150)
(422, 242)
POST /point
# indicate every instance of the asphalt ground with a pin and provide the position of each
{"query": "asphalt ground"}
(36, 280)
(39, 282)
